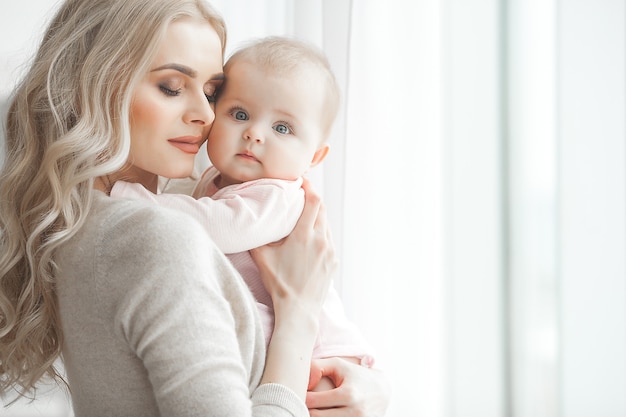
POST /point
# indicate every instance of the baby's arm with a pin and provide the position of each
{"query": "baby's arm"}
(243, 217)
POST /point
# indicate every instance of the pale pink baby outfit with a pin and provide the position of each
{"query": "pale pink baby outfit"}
(248, 215)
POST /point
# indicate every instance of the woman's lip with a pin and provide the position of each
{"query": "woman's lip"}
(189, 144)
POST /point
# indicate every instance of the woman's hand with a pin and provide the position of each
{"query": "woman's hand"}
(360, 392)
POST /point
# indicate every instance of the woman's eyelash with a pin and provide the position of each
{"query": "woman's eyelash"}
(215, 89)
(168, 91)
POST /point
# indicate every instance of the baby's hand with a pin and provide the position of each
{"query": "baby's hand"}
(317, 381)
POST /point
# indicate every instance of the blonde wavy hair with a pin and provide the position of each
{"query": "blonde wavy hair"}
(67, 123)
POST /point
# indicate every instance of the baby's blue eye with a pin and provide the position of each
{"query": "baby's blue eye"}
(240, 115)
(283, 129)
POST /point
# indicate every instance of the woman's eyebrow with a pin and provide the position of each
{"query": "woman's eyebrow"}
(187, 71)
(178, 67)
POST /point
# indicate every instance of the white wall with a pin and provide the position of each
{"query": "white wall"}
(21, 31)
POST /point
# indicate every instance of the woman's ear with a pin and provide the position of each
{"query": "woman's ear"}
(319, 155)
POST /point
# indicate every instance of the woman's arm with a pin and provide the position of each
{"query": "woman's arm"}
(297, 273)
(181, 327)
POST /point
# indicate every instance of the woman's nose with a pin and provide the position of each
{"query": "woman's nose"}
(200, 111)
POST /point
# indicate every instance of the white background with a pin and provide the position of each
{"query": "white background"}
(476, 188)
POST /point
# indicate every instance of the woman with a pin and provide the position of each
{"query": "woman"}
(149, 317)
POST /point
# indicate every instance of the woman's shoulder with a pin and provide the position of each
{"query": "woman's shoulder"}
(138, 238)
(122, 212)
(145, 225)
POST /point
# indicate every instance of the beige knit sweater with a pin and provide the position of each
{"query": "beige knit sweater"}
(156, 322)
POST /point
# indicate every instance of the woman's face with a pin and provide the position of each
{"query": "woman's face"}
(172, 107)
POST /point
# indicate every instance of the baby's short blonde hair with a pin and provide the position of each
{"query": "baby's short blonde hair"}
(288, 56)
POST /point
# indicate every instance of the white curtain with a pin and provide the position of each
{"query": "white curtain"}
(480, 196)
(484, 203)
(476, 188)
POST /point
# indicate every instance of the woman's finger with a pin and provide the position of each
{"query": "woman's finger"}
(360, 391)
(312, 205)
(331, 368)
(331, 412)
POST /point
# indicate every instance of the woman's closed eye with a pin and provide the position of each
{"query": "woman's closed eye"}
(212, 90)
(171, 85)
(169, 91)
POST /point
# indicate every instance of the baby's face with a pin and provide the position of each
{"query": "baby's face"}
(265, 126)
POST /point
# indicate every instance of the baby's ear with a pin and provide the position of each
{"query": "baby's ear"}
(319, 155)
